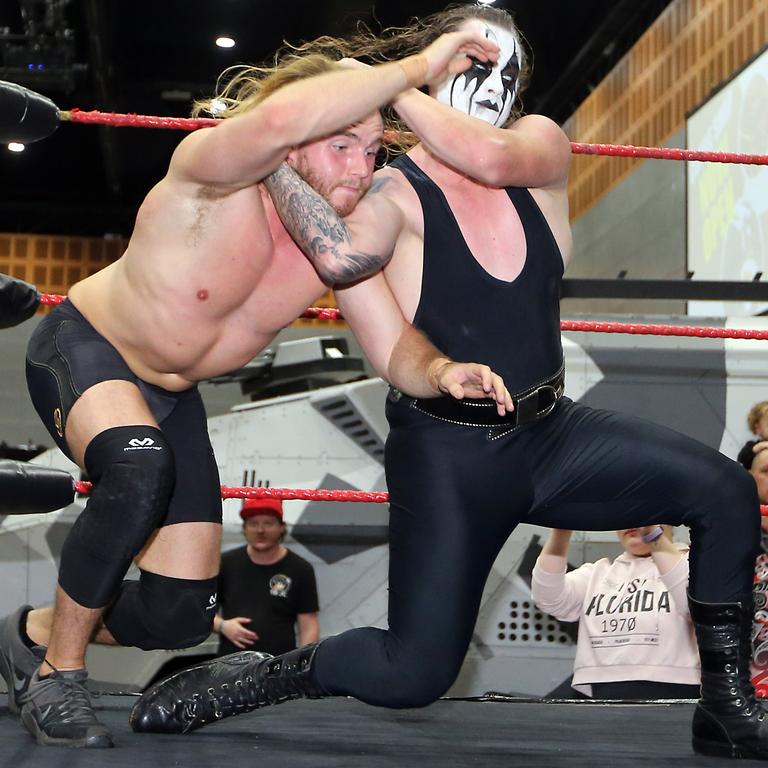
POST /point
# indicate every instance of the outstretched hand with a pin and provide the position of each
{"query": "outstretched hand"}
(460, 380)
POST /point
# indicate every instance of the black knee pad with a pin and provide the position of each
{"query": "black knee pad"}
(133, 472)
(162, 612)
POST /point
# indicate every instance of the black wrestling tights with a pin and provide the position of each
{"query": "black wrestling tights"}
(457, 494)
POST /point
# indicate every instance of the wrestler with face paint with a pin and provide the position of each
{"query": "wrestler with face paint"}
(474, 220)
(486, 90)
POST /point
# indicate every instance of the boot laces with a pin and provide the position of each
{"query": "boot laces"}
(69, 698)
(222, 701)
(233, 698)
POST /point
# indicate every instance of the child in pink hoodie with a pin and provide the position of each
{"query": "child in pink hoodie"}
(636, 639)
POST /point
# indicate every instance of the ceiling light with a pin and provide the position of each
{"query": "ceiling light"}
(225, 42)
(14, 146)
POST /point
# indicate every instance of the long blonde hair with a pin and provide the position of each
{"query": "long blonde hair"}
(241, 87)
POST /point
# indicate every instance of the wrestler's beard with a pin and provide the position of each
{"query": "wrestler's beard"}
(325, 189)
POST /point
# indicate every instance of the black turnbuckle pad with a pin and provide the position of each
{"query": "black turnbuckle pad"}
(28, 489)
(25, 116)
(18, 301)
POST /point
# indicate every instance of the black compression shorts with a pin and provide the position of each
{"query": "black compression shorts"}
(66, 355)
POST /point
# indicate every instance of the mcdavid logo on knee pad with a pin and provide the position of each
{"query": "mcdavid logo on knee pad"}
(142, 444)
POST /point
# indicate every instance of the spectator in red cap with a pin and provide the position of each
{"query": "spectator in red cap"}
(265, 590)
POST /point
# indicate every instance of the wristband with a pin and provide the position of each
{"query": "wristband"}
(415, 69)
(432, 380)
(651, 536)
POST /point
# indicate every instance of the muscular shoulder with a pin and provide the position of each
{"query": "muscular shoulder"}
(386, 183)
(184, 154)
(391, 185)
(204, 165)
(538, 154)
(542, 127)
(378, 217)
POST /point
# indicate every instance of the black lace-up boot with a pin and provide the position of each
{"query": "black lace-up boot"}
(230, 685)
(728, 721)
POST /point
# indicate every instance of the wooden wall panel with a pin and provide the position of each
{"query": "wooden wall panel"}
(53, 264)
(691, 49)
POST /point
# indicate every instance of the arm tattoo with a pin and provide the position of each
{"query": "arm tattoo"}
(318, 230)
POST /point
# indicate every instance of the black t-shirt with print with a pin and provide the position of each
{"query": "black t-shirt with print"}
(269, 595)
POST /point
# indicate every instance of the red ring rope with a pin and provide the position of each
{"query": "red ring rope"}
(51, 298)
(663, 153)
(291, 494)
(647, 329)
(118, 120)
(301, 494)
(589, 326)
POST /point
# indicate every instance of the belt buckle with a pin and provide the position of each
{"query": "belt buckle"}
(527, 408)
(555, 397)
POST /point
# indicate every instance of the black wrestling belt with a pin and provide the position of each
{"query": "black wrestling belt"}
(530, 405)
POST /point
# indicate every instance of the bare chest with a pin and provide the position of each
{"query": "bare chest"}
(218, 271)
(491, 229)
(252, 297)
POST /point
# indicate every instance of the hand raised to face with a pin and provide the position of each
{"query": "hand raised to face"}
(486, 89)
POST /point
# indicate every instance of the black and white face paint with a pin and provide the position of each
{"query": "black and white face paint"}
(486, 90)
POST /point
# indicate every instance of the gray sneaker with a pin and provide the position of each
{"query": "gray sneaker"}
(17, 662)
(57, 711)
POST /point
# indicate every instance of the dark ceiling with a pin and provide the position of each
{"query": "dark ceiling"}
(153, 56)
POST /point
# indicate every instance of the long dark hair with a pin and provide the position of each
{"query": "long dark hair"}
(242, 87)
(396, 42)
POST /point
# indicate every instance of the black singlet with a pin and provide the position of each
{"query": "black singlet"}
(514, 327)
(457, 492)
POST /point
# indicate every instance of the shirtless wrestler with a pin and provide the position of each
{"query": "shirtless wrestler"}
(480, 215)
(209, 277)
